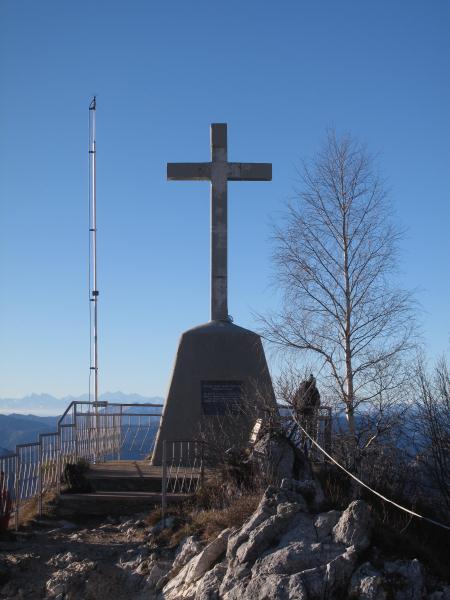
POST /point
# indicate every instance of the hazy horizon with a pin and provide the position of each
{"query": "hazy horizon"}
(34, 403)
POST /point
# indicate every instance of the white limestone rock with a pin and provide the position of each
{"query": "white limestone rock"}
(180, 586)
(367, 584)
(234, 588)
(142, 568)
(69, 581)
(274, 456)
(135, 561)
(108, 528)
(63, 559)
(297, 557)
(156, 570)
(265, 534)
(266, 508)
(236, 575)
(354, 527)
(272, 587)
(187, 550)
(324, 523)
(283, 552)
(305, 488)
(308, 488)
(300, 528)
(209, 585)
(339, 571)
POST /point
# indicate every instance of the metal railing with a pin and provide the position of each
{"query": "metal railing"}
(94, 433)
(183, 468)
(112, 431)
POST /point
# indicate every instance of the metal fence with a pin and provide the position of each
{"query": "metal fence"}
(183, 468)
(112, 431)
(94, 433)
(184, 461)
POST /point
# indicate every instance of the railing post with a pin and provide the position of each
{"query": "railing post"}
(58, 462)
(120, 433)
(75, 426)
(17, 489)
(164, 484)
(40, 478)
(96, 460)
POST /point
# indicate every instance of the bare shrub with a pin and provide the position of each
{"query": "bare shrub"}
(431, 426)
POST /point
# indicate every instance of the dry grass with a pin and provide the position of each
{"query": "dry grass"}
(29, 509)
(205, 524)
(224, 501)
(211, 522)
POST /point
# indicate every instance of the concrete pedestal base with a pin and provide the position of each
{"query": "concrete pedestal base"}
(220, 385)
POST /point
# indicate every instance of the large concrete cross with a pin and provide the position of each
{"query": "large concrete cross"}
(219, 171)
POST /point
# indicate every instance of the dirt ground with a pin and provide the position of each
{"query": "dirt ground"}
(35, 562)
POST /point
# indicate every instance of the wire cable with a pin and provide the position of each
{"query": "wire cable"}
(407, 510)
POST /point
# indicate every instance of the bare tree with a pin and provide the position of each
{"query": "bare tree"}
(336, 255)
(432, 427)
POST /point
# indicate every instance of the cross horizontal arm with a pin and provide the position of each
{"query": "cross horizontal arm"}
(189, 171)
(249, 171)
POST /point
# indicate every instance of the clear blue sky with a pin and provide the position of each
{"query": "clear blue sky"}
(279, 73)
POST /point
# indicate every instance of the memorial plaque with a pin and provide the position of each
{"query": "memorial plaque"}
(221, 397)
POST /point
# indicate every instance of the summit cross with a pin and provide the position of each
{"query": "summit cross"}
(219, 171)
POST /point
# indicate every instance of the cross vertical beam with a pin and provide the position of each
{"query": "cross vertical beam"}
(219, 223)
(219, 171)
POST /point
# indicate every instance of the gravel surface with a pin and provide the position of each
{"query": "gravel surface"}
(68, 561)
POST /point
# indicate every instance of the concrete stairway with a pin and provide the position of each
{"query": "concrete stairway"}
(117, 488)
(121, 475)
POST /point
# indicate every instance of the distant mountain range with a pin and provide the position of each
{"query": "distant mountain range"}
(47, 405)
(23, 419)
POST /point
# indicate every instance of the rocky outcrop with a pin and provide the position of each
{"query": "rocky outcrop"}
(282, 551)
(187, 580)
(277, 458)
(69, 578)
(367, 584)
(287, 551)
(354, 527)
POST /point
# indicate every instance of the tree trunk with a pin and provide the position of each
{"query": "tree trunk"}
(347, 337)
(350, 415)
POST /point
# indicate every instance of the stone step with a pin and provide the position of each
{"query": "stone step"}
(126, 484)
(134, 476)
(111, 503)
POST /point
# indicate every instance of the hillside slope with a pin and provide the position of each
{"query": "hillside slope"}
(21, 429)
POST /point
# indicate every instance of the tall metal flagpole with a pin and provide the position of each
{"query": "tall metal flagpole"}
(93, 258)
